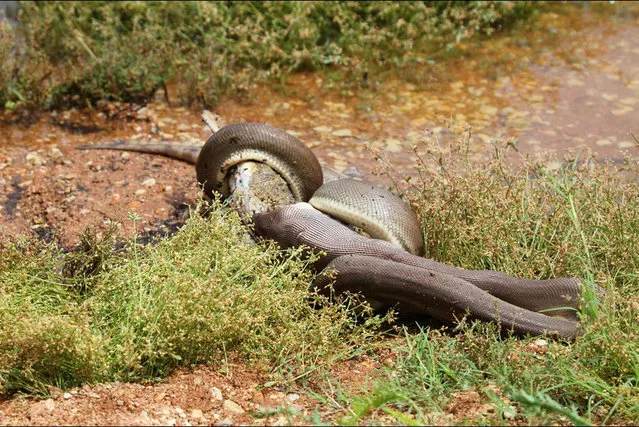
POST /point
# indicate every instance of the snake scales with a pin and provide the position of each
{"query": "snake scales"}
(391, 271)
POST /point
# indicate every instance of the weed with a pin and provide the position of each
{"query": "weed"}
(148, 309)
(82, 52)
(528, 220)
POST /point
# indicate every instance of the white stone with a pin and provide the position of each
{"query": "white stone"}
(216, 394)
(231, 406)
(342, 133)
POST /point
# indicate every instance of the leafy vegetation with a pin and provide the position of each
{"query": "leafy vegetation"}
(530, 220)
(139, 313)
(100, 314)
(83, 52)
(136, 314)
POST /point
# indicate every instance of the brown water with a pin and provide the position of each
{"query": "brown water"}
(570, 82)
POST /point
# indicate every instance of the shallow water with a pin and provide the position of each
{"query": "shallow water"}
(569, 82)
(572, 82)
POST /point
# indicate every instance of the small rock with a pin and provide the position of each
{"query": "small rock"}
(510, 413)
(49, 405)
(541, 342)
(55, 153)
(292, 397)
(393, 145)
(140, 192)
(67, 395)
(621, 144)
(257, 396)
(54, 392)
(34, 159)
(197, 414)
(216, 394)
(281, 421)
(119, 402)
(322, 129)
(458, 85)
(343, 133)
(167, 189)
(143, 114)
(574, 82)
(85, 211)
(225, 422)
(231, 406)
(180, 412)
(144, 418)
(603, 143)
(621, 111)
(149, 182)
(489, 110)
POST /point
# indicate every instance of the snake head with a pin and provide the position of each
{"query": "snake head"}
(284, 225)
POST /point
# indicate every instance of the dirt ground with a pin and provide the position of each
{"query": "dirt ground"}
(52, 191)
(229, 395)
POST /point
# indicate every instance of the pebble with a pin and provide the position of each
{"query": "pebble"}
(322, 129)
(489, 110)
(342, 133)
(216, 394)
(541, 342)
(67, 395)
(231, 406)
(510, 413)
(292, 397)
(55, 153)
(197, 414)
(574, 82)
(621, 111)
(140, 192)
(626, 144)
(603, 143)
(34, 159)
(149, 182)
(225, 422)
(394, 145)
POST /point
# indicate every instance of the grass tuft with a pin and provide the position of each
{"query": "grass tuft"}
(83, 52)
(146, 310)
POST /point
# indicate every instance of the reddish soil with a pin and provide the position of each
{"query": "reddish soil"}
(51, 191)
(229, 395)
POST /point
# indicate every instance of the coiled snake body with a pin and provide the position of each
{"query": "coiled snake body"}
(390, 271)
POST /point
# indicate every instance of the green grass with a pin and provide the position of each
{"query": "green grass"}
(137, 314)
(81, 52)
(530, 221)
(97, 314)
